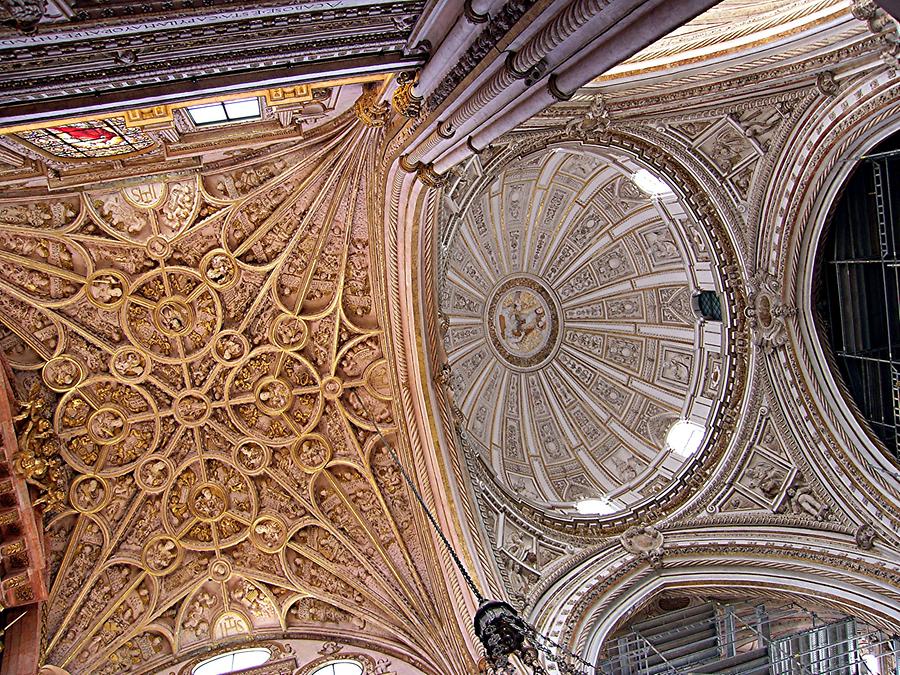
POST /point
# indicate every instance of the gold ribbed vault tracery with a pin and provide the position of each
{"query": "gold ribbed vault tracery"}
(216, 346)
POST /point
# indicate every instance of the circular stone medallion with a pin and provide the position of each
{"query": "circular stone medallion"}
(191, 408)
(174, 317)
(107, 425)
(208, 502)
(523, 322)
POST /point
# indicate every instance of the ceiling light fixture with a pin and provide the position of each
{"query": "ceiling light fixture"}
(502, 632)
(650, 184)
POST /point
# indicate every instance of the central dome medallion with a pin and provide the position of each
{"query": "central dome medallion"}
(523, 322)
(573, 345)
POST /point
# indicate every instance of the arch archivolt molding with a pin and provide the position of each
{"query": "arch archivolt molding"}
(822, 146)
(601, 591)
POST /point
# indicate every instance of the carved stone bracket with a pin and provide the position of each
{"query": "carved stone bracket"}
(646, 542)
(404, 100)
(767, 313)
(24, 15)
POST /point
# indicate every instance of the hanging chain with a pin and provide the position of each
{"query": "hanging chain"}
(537, 642)
(437, 528)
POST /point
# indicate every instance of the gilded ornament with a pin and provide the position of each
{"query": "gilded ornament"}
(268, 533)
(37, 459)
(158, 247)
(230, 347)
(219, 269)
(404, 99)
(290, 332)
(369, 110)
(89, 493)
(251, 457)
(129, 365)
(106, 289)
(63, 373)
(332, 388)
(312, 452)
(161, 555)
(154, 473)
(219, 569)
(192, 408)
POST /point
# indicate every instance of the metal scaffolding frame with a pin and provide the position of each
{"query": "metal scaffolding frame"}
(868, 342)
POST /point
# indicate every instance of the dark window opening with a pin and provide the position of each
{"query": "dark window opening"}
(858, 290)
(708, 305)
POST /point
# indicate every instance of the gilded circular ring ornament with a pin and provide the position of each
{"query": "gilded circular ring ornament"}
(523, 322)
(191, 408)
(377, 381)
(106, 289)
(312, 452)
(63, 373)
(289, 332)
(251, 457)
(154, 474)
(208, 501)
(219, 569)
(162, 554)
(89, 493)
(268, 533)
(174, 317)
(273, 395)
(209, 504)
(230, 347)
(332, 388)
(107, 425)
(129, 364)
(158, 247)
(219, 269)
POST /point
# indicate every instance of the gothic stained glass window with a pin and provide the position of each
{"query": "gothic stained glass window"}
(91, 139)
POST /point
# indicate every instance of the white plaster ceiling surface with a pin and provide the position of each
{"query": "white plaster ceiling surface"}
(730, 27)
(572, 340)
(216, 344)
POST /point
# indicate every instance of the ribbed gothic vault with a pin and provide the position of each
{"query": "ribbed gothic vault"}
(217, 347)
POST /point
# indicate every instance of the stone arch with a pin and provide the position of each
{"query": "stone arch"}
(585, 603)
(829, 139)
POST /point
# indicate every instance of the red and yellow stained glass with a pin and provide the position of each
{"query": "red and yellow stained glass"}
(89, 139)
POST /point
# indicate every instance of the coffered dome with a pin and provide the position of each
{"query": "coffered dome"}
(572, 338)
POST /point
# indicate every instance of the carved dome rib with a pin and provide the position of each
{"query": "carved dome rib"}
(572, 339)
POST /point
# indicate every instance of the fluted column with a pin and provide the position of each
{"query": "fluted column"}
(624, 40)
(475, 14)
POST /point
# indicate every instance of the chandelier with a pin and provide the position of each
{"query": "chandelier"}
(511, 644)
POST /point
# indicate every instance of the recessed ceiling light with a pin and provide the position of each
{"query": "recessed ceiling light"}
(594, 507)
(684, 438)
(650, 184)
